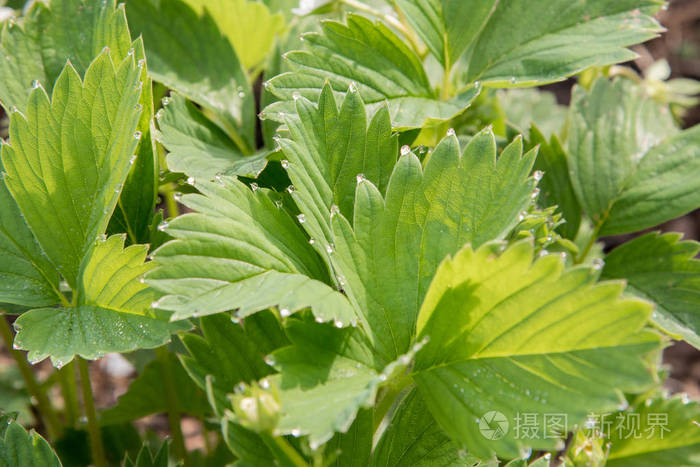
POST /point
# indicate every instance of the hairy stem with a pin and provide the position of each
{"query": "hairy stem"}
(171, 401)
(48, 414)
(69, 389)
(96, 445)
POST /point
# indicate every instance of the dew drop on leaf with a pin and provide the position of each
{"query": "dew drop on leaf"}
(405, 149)
(301, 218)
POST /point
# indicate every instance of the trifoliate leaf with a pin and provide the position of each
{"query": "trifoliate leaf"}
(225, 354)
(388, 256)
(630, 168)
(21, 449)
(249, 26)
(145, 395)
(327, 375)
(662, 269)
(27, 276)
(555, 184)
(658, 432)
(414, 439)
(525, 42)
(188, 53)
(509, 336)
(68, 157)
(199, 148)
(36, 50)
(111, 314)
(238, 250)
(371, 57)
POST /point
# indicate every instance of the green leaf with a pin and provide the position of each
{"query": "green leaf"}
(372, 58)
(146, 458)
(667, 434)
(353, 448)
(188, 53)
(136, 207)
(238, 250)
(249, 26)
(199, 148)
(630, 168)
(327, 376)
(327, 150)
(414, 439)
(26, 275)
(111, 313)
(246, 445)
(527, 43)
(68, 157)
(145, 395)
(513, 336)
(225, 354)
(525, 107)
(21, 449)
(555, 185)
(662, 269)
(389, 255)
(75, 30)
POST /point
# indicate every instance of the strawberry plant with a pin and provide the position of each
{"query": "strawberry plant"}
(344, 233)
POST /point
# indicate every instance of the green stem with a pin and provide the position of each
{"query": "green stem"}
(96, 446)
(69, 389)
(171, 401)
(283, 451)
(170, 203)
(48, 414)
(445, 92)
(590, 243)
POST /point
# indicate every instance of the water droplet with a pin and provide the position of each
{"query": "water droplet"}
(352, 87)
(105, 49)
(270, 360)
(162, 226)
(330, 249)
(513, 80)
(266, 84)
(36, 84)
(166, 100)
(141, 63)
(290, 189)
(451, 132)
(405, 150)
(159, 114)
(177, 196)
(132, 159)
(477, 84)
(138, 107)
(284, 312)
(537, 175)
(130, 53)
(296, 95)
(311, 241)
(235, 320)
(334, 210)
(254, 186)
(521, 216)
(137, 135)
(240, 387)
(117, 188)
(219, 178)
(142, 280)
(190, 180)
(301, 218)
(285, 163)
(318, 319)
(360, 178)
(13, 109)
(139, 85)
(535, 193)
(295, 432)
(265, 383)
(154, 304)
(597, 263)
(101, 238)
(338, 324)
